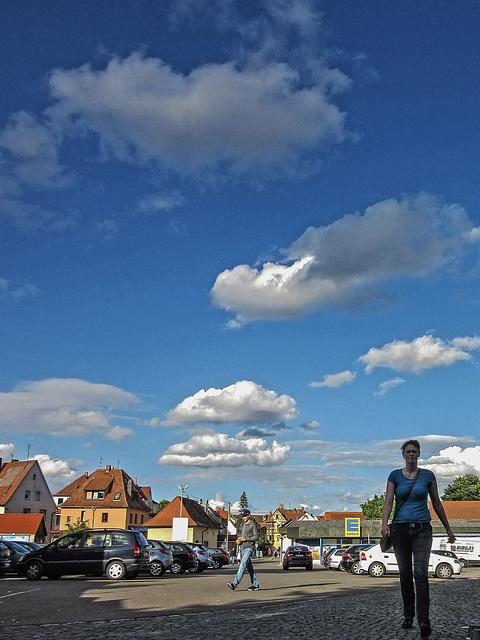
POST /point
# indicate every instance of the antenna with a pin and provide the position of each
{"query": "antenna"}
(28, 452)
(101, 461)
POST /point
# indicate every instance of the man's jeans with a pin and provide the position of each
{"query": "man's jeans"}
(246, 565)
(413, 541)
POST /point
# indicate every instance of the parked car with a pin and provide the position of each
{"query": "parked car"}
(161, 558)
(378, 563)
(298, 555)
(326, 555)
(333, 560)
(220, 557)
(203, 559)
(118, 553)
(16, 551)
(5, 564)
(351, 558)
(183, 556)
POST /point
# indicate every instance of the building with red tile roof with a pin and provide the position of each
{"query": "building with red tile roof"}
(108, 497)
(23, 489)
(25, 526)
(204, 524)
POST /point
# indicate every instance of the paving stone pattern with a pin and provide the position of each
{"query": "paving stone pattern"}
(367, 615)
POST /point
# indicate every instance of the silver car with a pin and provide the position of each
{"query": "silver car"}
(161, 558)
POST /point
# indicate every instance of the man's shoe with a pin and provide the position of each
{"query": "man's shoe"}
(232, 586)
(252, 588)
(425, 630)
(407, 623)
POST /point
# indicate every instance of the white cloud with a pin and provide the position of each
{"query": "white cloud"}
(62, 407)
(389, 384)
(335, 380)
(155, 202)
(58, 473)
(419, 355)
(10, 292)
(118, 434)
(453, 462)
(338, 265)
(7, 451)
(250, 117)
(219, 450)
(243, 402)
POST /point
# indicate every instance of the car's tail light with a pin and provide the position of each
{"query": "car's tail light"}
(167, 553)
(346, 555)
(137, 552)
(190, 554)
(309, 555)
(363, 556)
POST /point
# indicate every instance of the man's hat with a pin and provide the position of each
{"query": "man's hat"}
(245, 512)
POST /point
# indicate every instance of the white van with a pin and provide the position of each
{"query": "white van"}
(378, 563)
(466, 547)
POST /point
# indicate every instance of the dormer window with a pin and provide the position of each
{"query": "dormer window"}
(95, 495)
(117, 496)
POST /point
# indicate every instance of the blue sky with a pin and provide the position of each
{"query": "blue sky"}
(240, 243)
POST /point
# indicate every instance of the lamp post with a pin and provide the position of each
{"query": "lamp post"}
(182, 489)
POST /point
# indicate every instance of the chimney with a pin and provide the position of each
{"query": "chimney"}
(108, 468)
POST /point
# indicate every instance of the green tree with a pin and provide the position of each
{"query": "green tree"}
(79, 525)
(243, 502)
(465, 487)
(372, 509)
(162, 504)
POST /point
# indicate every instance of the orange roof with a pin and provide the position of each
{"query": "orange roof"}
(115, 480)
(459, 509)
(341, 515)
(73, 486)
(195, 513)
(11, 475)
(22, 523)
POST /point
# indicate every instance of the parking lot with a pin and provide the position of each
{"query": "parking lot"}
(290, 603)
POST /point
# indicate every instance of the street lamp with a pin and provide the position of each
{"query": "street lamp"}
(182, 489)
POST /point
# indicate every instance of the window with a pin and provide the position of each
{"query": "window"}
(34, 476)
(104, 517)
(27, 495)
(37, 495)
(131, 518)
(26, 511)
(95, 495)
(94, 539)
(82, 516)
(117, 496)
(60, 500)
(69, 518)
(141, 520)
(135, 518)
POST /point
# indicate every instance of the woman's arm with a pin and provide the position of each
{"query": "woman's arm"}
(439, 510)
(387, 507)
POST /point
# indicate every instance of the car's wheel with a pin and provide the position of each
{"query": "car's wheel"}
(216, 565)
(309, 567)
(463, 562)
(177, 567)
(34, 570)
(376, 570)
(197, 568)
(356, 569)
(286, 567)
(444, 570)
(156, 569)
(115, 570)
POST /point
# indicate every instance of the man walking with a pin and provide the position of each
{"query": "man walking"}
(246, 540)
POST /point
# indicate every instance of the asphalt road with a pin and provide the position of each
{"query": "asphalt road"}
(82, 599)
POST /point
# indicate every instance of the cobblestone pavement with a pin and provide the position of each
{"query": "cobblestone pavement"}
(365, 615)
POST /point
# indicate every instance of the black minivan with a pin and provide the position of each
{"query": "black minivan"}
(118, 553)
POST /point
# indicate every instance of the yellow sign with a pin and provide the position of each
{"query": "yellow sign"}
(352, 527)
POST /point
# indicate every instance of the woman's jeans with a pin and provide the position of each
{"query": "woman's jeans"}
(413, 540)
(246, 565)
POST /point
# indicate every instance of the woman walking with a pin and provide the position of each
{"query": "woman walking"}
(411, 532)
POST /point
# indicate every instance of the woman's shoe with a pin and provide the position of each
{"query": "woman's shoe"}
(425, 629)
(407, 623)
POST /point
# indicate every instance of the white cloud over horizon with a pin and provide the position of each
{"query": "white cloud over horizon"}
(335, 380)
(421, 354)
(244, 402)
(342, 264)
(219, 450)
(62, 407)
